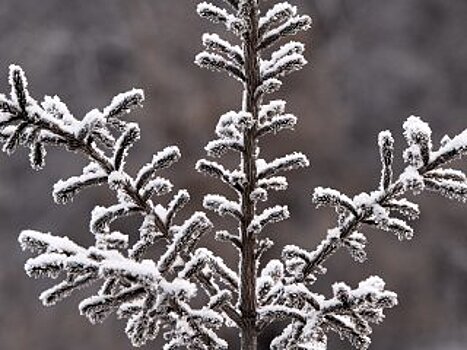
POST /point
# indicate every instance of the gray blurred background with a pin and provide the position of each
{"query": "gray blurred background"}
(373, 63)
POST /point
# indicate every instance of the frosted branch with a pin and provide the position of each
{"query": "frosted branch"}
(374, 209)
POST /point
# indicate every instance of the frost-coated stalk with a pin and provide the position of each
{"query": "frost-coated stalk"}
(240, 131)
(154, 294)
(248, 263)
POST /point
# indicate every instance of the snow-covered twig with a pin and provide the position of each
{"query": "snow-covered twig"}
(424, 171)
(105, 139)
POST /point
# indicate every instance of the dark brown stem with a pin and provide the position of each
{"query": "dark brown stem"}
(248, 264)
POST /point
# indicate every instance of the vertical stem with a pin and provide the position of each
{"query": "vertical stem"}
(248, 273)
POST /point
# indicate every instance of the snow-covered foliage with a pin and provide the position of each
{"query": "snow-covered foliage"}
(148, 293)
(154, 295)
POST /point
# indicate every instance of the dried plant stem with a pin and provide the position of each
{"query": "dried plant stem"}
(248, 268)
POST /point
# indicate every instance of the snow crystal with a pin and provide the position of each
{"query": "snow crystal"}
(123, 103)
(270, 215)
(278, 12)
(273, 108)
(458, 142)
(219, 15)
(416, 126)
(33, 240)
(291, 161)
(161, 212)
(411, 179)
(178, 287)
(222, 205)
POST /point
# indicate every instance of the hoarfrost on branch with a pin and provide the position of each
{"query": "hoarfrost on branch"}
(154, 294)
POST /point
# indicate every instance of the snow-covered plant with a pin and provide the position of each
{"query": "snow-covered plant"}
(154, 294)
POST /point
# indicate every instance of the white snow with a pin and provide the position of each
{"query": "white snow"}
(289, 162)
(457, 143)
(269, 215)
(219, 15)
(31, 240)
(279, 12)
(222, 205)
(134, 95)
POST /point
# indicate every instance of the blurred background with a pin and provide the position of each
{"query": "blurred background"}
(373, 63)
